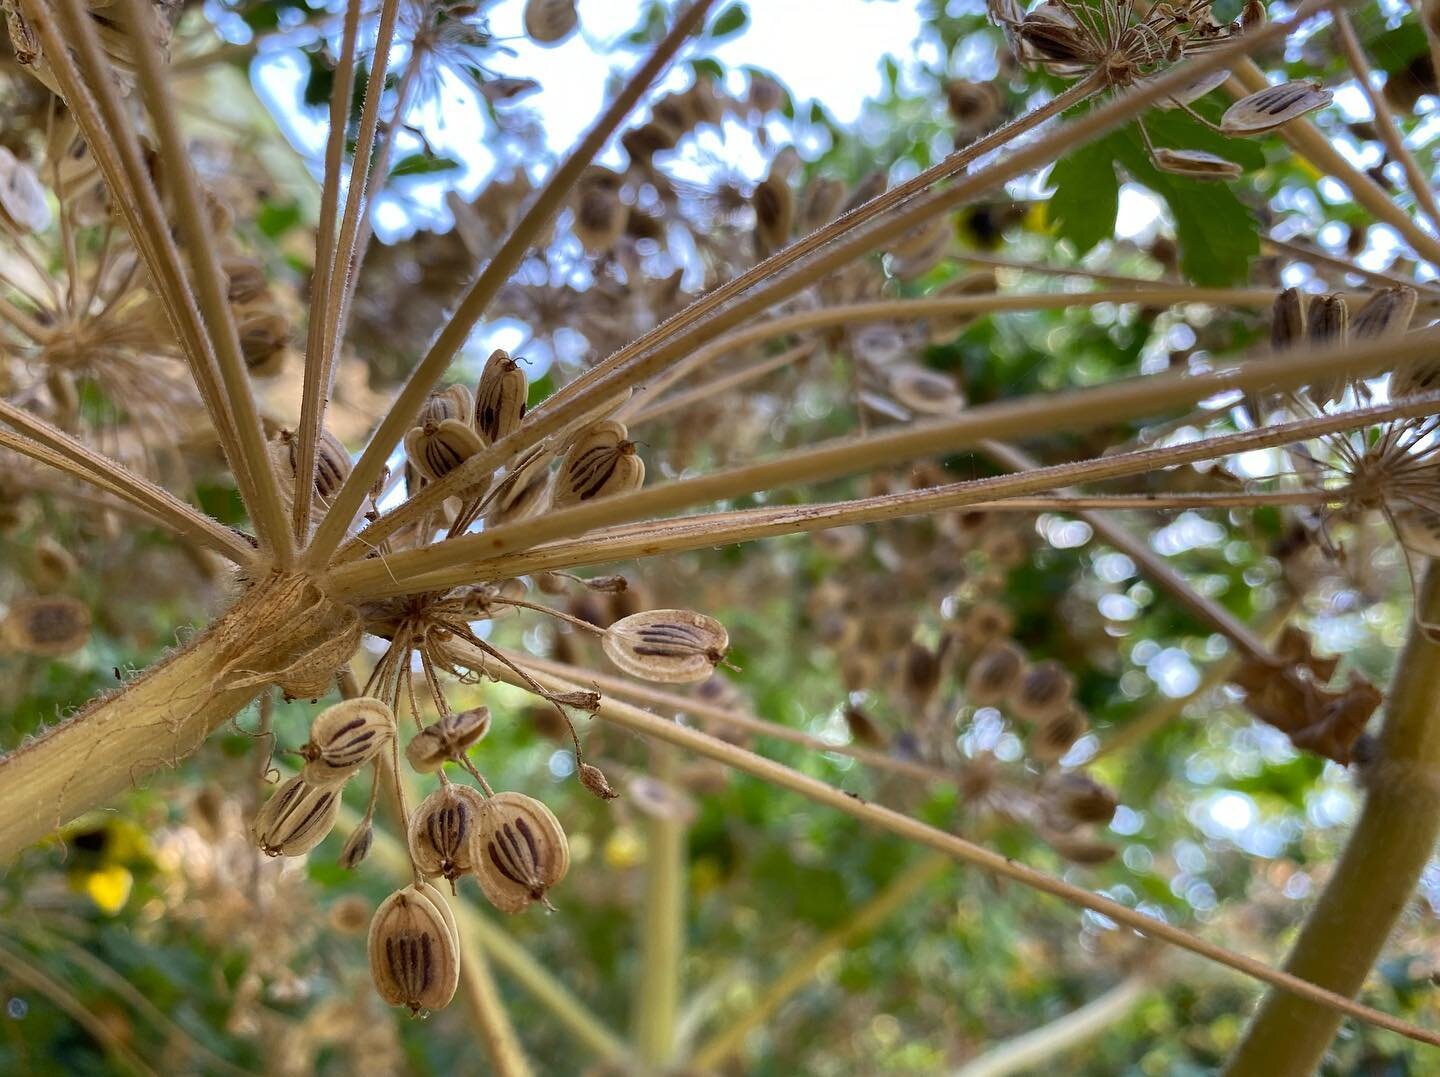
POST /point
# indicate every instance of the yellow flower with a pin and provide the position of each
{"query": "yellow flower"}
(109, 887)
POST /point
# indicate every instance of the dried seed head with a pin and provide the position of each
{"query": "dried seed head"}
(1081, 798)
(600, 461)
(863, 729)
(774, 213)
(350, 915)
(357, 846)
(449, 738)
(994, 674)
(345, 737)
(244, 279)
(1058, 735)
(332, 463)
(441, 829)
(436, 449)
(985, 622)
(500, 397)
(1196, 164)
(1273, 106)
(519, 851)
(1287, 319)
(414, 957)
(1387, 313)
(47, 626)
(53, 565)
(593, 779)
(1328, 318)
(974, 105)
(925, 391)
(820, 202)
(263, 335)
(296, 818)
(921, 674)
(1043, 692)
(548, 22)
(452, 402)
(669, 646)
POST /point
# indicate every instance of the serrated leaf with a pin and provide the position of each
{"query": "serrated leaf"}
(1087, 196)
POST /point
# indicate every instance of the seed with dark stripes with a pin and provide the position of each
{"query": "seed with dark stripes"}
(441, 828)
(1267, 109)
(500, 397)
(600, 461)
(345, 737)
(414, 955)
(518, 851)
(670, 646)
(296, 818)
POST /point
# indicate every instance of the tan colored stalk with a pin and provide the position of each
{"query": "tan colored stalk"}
(111, 139)
(662, 729)
(156, 505)
(1027, 1053)
(155, 720)
(1385, 126)
(1310, 143)
(315, 386)
(266, 509)
(1155, 568)
(1375, 879)
(497, 271)
(899, 891)
(487, 1008)
(464, 559)
(655, 350)
(1309, 253)
(23, 322)
(648, 410)
(662, 927)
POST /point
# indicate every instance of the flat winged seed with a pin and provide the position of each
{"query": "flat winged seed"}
(519, 851)
(1194, 91)
(296, 818)
(1196, 164)
(46, 626)
(925, 391)
(345, 737)
(1386, 314)
(414, 957)
(1275, 105)
(500, 397)
(669, 646)
(452, 402)
(549, 21)
(1287, 319)
(600, 461)
(22, 197)
(447, 739)
(436, 449)
(441, 828)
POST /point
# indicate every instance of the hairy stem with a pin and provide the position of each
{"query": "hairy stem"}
(1376, 875)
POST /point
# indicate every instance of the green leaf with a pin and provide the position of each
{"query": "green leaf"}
(423, 164)
(274, 219)
(1217, 234)
(1087, 196)
(730, 22)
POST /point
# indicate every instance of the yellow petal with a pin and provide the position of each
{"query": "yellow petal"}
(109, 887)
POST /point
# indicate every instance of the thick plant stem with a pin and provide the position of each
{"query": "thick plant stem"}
(1376, 876)
(157, 719)
(662, 936)
(482, 998)
(865, 919)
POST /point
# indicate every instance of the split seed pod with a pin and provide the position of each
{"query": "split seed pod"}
(548, 22)
(345, 737)
(668, 646)
(441, 829)
(447, 739)
(414, 958)
(436, 449)
(1043, 692)
(47, 627)
(994, 674)
(1273, 106)
(519, 851)
(500, 397)
(296, 818)
(1196, 164)
(600, 461)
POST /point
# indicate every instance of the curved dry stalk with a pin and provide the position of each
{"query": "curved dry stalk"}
(314, 390)
(266, 509)
(1385, 127)
(652, 352)
(497, 271)
(656, 728)
(897, 892)
(1038, 1046)
(1373, 882)
(474, 557)
(27, 974)
(55, 448)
